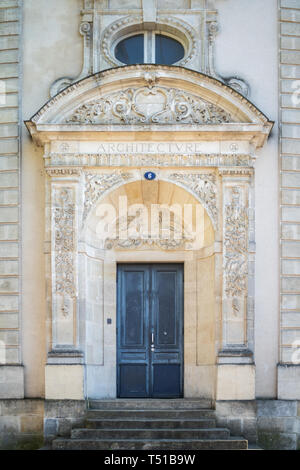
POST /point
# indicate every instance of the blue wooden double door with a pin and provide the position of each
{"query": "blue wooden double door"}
(150, 331)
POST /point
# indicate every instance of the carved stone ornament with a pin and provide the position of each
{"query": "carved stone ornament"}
(236, 246)
(64, 247)
(96, 185)
(204, 188)
(149, 105)
(178, 237)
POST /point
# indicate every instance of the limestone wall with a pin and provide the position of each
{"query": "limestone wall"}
(11, 378)
(289, 24)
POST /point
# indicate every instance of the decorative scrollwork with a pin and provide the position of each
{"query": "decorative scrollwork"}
(151, 104)
(96, 185)
(204, 188)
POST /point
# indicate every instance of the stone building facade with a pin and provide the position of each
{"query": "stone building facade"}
(217, 129)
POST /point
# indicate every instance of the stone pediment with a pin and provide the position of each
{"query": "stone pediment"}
(149, 98)
(149, 105)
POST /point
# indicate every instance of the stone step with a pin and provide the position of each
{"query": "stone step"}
(139, 444)
(155, 414)
(150, 434)
(150, 404)
(150, 423)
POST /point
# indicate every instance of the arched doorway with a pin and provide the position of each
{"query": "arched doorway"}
(193, 248)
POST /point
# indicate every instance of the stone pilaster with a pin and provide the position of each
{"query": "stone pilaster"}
(236, 374)
(65, 357)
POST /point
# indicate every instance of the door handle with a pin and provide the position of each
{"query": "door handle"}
(152, 341)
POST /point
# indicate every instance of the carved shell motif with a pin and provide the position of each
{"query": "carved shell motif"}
(149, 105)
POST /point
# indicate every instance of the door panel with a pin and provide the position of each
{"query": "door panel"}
(150, 330)
(133, 344)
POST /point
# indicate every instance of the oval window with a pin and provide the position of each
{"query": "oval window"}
(160, 49)
(131, 50)
(167, 50)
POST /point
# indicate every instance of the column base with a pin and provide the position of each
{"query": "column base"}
(11, 382)
(64, 382)
(288, 380)
(235, 382)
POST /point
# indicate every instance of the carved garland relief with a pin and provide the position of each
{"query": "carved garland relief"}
(236, 245)
(64, 249)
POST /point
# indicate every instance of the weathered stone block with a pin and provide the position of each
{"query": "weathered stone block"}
(276, 408)
(291, 29)
(9, 146)
(290, 71)
(291, 249)
(290, 57)
(9, 114)
(65, 409)
(290, 43)
(9, 14)
(10, 179)
(235, 426)
(9, 196)
(9, 424)
(290, 15)
(12, 28)
(9, 320)
(9, 302)
(11, 382)
(290, 214)
(9, 267)
(279, 424)
(64, 427)
(235, 382)
(9, 130)
(9, 214)
(249, 427)
(290, 231)
(10, 56)
(288, 145)
(290, 180)
(9, 250)
(10, 42)
(242, 409)
(32, 424)
(288, 383)
(290, 196)
(9, 162)
(64, 382)
(8, 70)
(290, 302)
(277, 441)
(50, 427)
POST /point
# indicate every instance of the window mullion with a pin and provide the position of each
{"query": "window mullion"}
(148, 47)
